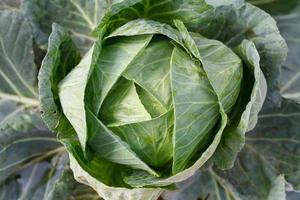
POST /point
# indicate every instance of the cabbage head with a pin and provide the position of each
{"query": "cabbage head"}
(167, 87)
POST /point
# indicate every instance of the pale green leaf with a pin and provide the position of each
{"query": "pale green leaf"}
(223, 67)
(101, 169)
(151, 140)
(142, 179)
(250, 23)
(157, 63)
(71, 96)
(109, 64)
(121, 102)
(105, 72)
(195, 113)
(143, 27)
(126, 11)
(110, 146)
(152, 104)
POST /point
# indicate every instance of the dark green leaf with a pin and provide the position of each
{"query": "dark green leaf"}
(289, 25)
(18, 71)
(9, 189)
(209, 185)
(66, 188)
(276, 141)
(79, 17)
(276, 7)
(292, 195)
(24, 138)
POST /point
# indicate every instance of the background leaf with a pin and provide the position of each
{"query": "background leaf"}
(18, 71)
(79, 17)
(22, 139)
(66, 188)
(289, 26)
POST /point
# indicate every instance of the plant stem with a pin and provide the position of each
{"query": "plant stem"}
(20, 99)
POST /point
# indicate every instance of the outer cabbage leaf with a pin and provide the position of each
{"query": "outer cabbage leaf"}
(252, 24)
(287, 17)
(244, 118)
(61, 57)
(113, 193)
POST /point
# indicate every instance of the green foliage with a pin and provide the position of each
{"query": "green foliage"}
(144, 93)
(154, 98)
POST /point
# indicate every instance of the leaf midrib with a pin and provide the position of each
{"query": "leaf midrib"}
(20, 99)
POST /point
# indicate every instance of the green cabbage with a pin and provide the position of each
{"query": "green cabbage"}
(166, 86)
